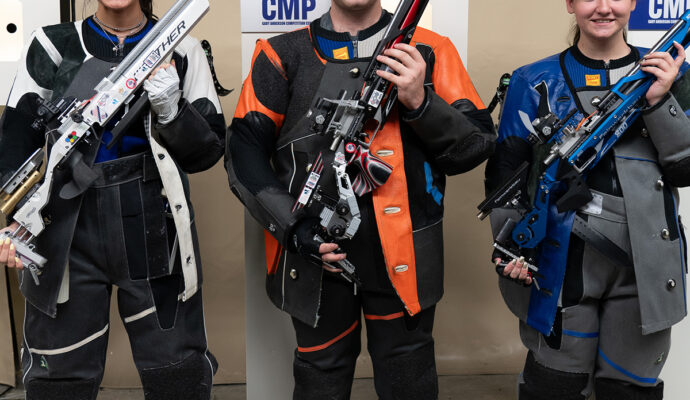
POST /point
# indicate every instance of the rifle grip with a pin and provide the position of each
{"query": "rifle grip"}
(373, 172)
(505, 234)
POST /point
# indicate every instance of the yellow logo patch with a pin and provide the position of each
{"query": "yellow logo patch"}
(593, 80)
(341, 53)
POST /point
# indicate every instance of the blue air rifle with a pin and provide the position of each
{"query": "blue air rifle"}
(577, 143)
(28, 188)
(344, 120)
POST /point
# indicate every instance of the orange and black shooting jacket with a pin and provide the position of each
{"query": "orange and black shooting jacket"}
(268, 155)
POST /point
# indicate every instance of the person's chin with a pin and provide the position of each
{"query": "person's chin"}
(118, 5)
(604, 33)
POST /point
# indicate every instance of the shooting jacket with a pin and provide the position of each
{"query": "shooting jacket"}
(268, 154)
(648, 163)
(56, 58)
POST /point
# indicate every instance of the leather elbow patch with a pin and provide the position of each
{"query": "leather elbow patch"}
(467, 155)
(176, 137)
(481, 119)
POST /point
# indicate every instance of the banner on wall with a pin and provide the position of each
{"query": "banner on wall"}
(657, 15)
(280, 15)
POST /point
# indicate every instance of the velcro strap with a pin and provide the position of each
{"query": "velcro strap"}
(600, 243)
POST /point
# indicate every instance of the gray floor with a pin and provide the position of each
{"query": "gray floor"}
(475, 387)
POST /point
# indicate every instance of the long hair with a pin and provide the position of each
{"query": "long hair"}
(147, 8)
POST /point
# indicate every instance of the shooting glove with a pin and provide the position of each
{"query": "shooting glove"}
(164, 94)
(303, 238)
(502, 266)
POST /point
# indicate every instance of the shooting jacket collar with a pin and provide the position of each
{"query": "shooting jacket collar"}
(324, 27)
(632, 57)
(341, 47)
(100, 43)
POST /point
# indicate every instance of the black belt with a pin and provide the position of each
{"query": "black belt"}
(600, 243)
(125, 169)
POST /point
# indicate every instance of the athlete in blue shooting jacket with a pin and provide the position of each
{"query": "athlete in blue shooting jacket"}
(606, 326)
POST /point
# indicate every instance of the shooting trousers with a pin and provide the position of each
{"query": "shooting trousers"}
(123, 237)
(401, 346)
(597, 329)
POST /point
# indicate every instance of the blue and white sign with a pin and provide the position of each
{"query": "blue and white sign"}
(657, 15)
(280, 15)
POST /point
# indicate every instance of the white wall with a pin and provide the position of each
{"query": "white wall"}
(17, 12)
(270, 340)
(451, 18)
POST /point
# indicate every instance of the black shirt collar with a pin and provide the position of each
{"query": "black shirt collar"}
(630, 58)
(318, 30)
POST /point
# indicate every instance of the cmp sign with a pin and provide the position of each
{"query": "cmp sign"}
(280, 15)
(657, 15)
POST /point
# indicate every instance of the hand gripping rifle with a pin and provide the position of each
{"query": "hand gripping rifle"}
(79, 119)
(344, 120)
(575, 144)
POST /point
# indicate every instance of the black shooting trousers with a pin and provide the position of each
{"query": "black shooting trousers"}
(401, 347)
(125, 238)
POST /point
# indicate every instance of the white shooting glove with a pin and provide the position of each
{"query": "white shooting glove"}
(164, 94)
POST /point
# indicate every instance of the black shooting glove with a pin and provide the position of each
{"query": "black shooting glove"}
(504, 238)
(500, 267)
(302, 240)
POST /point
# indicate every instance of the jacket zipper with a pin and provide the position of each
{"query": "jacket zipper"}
(607, 69)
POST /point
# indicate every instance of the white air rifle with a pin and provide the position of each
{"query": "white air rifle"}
(78, 120)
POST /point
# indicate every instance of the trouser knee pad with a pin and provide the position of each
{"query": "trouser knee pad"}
(610, 389)
(312, 383)
(411, 376)
(190, 379)
(543, 383)
(61, 389)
